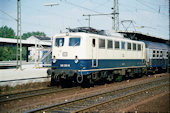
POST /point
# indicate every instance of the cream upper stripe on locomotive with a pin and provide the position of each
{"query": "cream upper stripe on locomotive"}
(86, 50)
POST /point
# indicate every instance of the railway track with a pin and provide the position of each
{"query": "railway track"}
(32, 93)
(89, 103)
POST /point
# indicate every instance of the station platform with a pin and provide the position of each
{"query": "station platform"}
(29, 73)
(7, 65)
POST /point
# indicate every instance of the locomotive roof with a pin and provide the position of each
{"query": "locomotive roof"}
(94, 31)
(114, 35)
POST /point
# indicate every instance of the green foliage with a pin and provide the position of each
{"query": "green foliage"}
(7, 32)
(24, 53)
(9, 53)
(28, 34)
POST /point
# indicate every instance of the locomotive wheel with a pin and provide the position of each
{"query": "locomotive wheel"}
(87, 82)
(79, 79)
(110, 78)
(65, 83)
(52, 83)
(91, 82)
(53, 80)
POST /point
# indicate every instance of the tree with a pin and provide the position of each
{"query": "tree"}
(9, 52)
(6, 52)
(28, 34)
(7, 32)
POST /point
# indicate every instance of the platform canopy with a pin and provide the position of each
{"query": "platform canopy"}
(140, 36)
(28, 43)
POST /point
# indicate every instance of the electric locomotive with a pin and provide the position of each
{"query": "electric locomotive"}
(86, 55)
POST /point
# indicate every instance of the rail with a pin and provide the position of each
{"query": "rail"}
(85, 104)
(32, 93)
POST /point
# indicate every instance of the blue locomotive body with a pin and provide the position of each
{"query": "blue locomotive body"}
(85, 66)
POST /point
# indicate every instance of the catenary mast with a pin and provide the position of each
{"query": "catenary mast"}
(19, 43)
(115, 18)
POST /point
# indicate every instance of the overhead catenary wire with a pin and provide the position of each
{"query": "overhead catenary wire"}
(82, 7)
(99, 5)
(146, 5)
(8, 15)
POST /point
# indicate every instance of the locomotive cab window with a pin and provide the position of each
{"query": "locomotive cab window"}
(74, 41)
(102, 43)
(109, 44)
(59, 42)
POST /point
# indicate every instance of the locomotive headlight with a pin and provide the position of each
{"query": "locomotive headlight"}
(54, 59)
(76, 60)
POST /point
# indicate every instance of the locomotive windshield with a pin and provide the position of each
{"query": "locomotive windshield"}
(74, 41)
(59, 42)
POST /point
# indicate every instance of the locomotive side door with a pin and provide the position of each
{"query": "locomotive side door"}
(164, 59)
(94, 52)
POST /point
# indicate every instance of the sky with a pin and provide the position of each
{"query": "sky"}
(148, 16)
